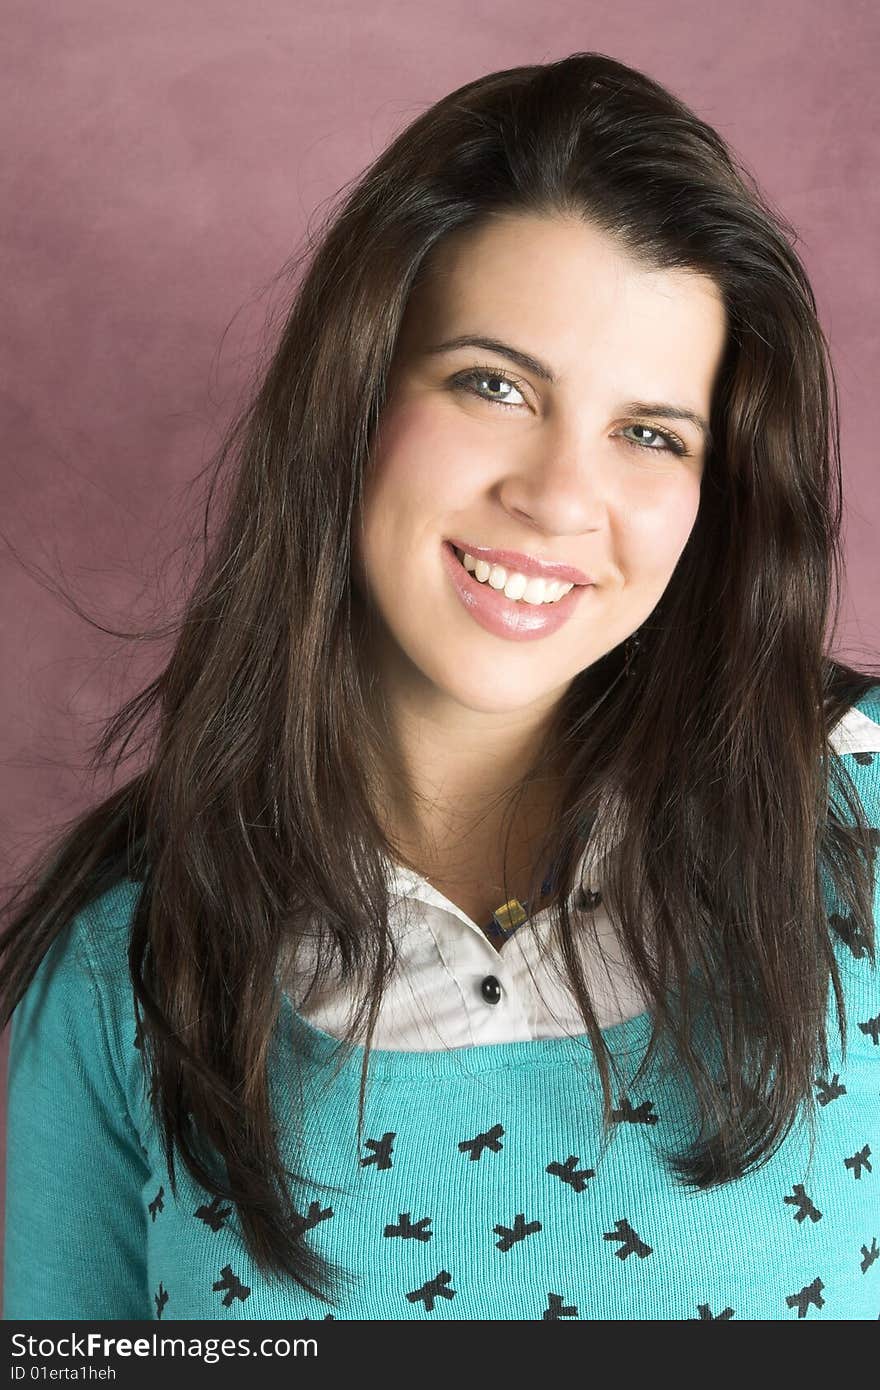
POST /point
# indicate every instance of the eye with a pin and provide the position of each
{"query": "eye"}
(486, 382)
(672, 444)
(492, 385)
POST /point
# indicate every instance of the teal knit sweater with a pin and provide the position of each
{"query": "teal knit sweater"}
(480, 1191)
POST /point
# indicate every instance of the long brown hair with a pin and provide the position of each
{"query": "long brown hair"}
(253, 817)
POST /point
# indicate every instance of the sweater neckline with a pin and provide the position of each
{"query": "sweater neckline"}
(622, 1039)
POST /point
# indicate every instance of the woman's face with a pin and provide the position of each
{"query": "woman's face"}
(476, 448)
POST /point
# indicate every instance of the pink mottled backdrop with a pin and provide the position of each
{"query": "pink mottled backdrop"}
(160, 163)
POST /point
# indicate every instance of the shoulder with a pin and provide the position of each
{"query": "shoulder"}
(856, 740)
(77, 1128)
(858, 729)
(100, 932)
(92, 947)
(79, 1004)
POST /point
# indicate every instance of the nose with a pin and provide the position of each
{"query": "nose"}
(558, 483)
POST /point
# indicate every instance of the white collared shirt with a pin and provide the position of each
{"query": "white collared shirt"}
(452, 988)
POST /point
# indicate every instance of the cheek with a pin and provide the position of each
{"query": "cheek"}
(419, 467)
(403, 478)
(656, 532)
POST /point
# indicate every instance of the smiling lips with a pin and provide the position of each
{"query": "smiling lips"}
(512, 619)
(528, 565)
(514, 584)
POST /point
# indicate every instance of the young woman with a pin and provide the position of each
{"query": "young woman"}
(489, 933)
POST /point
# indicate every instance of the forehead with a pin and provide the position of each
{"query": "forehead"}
(568, 293)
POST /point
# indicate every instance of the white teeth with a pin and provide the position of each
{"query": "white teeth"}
(516, 586)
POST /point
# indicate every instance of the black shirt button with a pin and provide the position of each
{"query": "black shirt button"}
(490, 989)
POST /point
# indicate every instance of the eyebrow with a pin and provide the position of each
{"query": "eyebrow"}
(540, 369)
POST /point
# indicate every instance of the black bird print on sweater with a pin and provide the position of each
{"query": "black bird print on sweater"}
(804, 1206)
(829, 1090)
(850, 934)
(859, 1162)
(509, 1235)
(408, 1229)
(558, 1308)
(381, 1155)
(230, 1286)
(871, 1029)
(631, 1241)
(315, 1214)
(869, 1256)
(213, 1213)
(807, 1297)
(570, 1173)
(705, 1314)
(438, 1287)
(640, 1115)
(477, 1146)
